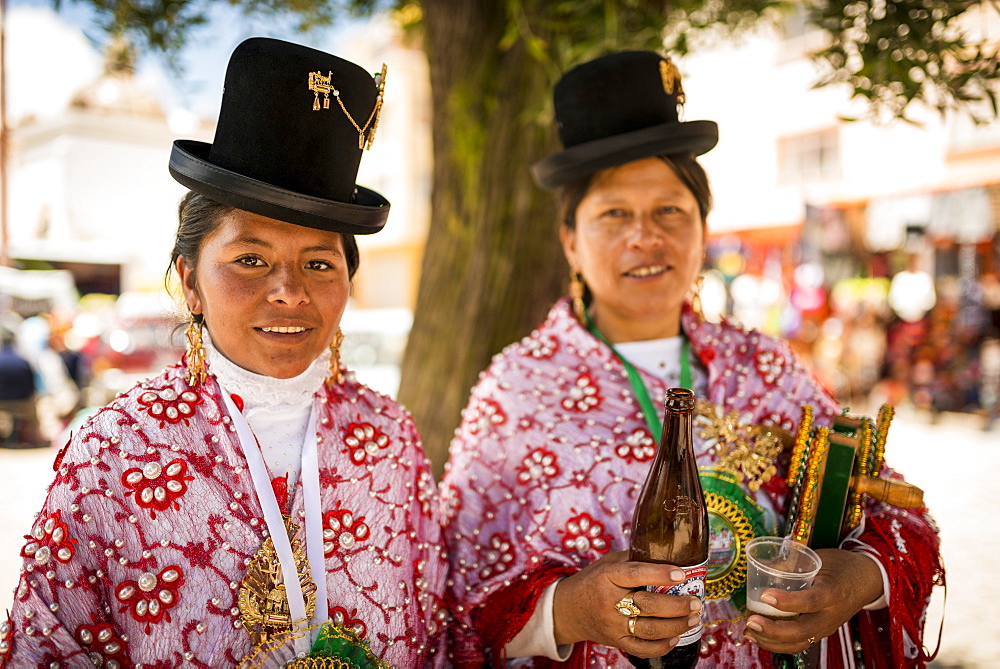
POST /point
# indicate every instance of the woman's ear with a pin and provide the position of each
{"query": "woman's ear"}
(188, 284)
(568, 239)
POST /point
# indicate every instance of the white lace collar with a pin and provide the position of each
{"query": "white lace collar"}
(258, 390)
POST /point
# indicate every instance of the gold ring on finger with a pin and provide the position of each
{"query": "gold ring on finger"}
(627, 607)
(631, 624)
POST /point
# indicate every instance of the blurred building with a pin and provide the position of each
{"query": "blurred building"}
(89, 189)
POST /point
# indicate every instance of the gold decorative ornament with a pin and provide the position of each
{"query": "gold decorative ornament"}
(855, 500)
(336, 376)
(263, 601)
(631, 625)
(320, 84)
(696, 297)
(748, 450)
(801, 445)
(324, 84)
(195, 352)
(576, 290)
(671, 78)
(806, 503)
(724, 579)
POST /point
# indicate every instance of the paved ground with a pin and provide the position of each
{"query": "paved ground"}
(961, 496)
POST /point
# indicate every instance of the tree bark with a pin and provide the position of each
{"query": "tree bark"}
(493, 264)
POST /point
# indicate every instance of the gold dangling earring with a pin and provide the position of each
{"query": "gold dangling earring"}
(696, 297)
(195, 352)
(335, 374)
(576, 289)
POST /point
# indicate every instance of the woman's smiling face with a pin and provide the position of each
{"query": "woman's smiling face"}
(271, 293)
(639, 242)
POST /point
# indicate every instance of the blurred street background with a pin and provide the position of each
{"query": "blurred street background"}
(871, 245)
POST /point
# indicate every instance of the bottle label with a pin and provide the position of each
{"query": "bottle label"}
(693, 586)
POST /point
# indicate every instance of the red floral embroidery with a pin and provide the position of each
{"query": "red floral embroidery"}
(341, 618)
(582, 395)
(342, 530)
(362, 440)
(499, 556)
(168, 406)
(150, 599)
(638, 447)
(49, 540)
(101, 643)
(584, 533)
(486, 413)
(540, 347)
(770, 365)
(538, 465)
(157, 487)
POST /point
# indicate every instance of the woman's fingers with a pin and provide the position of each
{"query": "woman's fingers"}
(653, 629)
(661, 605)
(644, 648)
(782, 636)
(631, 575)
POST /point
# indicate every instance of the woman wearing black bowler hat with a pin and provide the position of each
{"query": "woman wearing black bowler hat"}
(253, 504)
(561, 429)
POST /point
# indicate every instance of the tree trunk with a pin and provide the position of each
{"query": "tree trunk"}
(493, 264)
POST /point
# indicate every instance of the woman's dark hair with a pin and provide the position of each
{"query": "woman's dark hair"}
(199, 216)
(684, 165)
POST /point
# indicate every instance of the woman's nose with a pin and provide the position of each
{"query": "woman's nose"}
(643, 232)
(287, 287)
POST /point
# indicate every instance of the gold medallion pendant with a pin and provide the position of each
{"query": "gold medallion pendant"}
(263, 602)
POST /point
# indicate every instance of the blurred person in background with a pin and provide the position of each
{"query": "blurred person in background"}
(18, 414)
(561, 429)
(58, 395)
(253, 503)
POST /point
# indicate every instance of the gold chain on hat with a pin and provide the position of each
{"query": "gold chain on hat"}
(320, 84)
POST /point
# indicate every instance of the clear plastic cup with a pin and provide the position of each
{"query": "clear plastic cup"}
(779, 563)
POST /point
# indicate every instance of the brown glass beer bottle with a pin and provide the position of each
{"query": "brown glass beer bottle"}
(670, 524)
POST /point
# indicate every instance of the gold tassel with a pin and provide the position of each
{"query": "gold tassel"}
(576, 289)
(696, 297)
(336, 376)
(195, 353)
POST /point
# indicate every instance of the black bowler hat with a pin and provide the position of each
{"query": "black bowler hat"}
(289, 139)
(616, 109)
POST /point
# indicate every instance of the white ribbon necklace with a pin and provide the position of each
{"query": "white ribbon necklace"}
(276, 525)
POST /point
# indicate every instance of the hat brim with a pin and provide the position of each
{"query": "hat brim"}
(695, 137)
(190, 166)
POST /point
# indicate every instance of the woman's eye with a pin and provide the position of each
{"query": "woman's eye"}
(614, 213)
(668, 209)
(319, 265)
(250, 261)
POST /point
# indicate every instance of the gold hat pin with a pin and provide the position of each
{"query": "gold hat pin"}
(671, 78)
(324, 84)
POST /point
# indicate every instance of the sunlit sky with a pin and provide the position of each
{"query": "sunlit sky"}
(51, 54)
